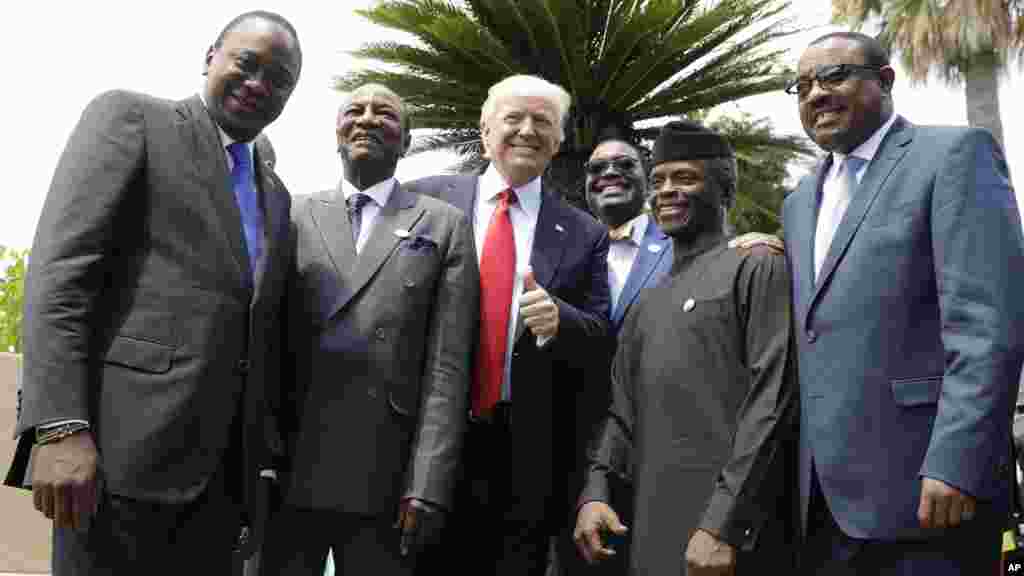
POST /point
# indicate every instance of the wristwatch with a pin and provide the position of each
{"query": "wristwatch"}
(59, 432)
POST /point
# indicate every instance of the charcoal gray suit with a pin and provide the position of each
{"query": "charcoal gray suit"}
(379, 349)
(144, 317)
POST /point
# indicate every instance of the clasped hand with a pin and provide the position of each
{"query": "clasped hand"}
(64, 480)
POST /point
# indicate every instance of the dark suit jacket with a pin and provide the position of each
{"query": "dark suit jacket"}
(652, 263)
(141, 313)
(910, 341)
(569, 260)
(380, 345)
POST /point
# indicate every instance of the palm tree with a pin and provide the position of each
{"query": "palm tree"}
(623, 61)
(964, 41)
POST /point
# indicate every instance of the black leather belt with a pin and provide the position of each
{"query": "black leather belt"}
(499, 417)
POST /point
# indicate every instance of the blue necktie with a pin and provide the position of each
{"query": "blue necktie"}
(248, 204)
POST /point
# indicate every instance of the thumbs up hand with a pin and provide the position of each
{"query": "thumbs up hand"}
(537, 309)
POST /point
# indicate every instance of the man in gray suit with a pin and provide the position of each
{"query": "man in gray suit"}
(382, 316)
(152, 320)
(906, 252)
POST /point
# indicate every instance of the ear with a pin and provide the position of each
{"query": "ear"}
(406, 140)
(887, 76)
(484, 133)
(209, 58)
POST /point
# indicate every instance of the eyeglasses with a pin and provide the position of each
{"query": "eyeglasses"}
(828, 77)
(621, 164)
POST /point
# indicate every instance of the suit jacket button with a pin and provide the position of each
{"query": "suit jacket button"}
(379, 332)
(371, 392)
(243, 366)
(811, 336)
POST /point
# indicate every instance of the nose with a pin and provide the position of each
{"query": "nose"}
(527, 127)
(367, 117)
(256, 83)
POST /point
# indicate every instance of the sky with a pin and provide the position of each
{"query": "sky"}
(72, 51)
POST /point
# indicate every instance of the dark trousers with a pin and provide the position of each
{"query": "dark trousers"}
(500, 525)
(131, 537)
(298, 540)
(969, 549)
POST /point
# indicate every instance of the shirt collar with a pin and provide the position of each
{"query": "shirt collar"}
(637, 227)
(867, 149)
(379, 192)
(528, 195)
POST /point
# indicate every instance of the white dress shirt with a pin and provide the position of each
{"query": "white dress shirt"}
(832, 192)
(523, 215)
(622, 254)
(379, 194)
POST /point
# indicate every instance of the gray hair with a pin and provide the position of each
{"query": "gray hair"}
(526, 85)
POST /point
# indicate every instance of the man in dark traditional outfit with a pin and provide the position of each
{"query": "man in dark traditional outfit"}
(703, 400)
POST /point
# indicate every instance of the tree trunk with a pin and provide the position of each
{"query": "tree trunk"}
(982, 88)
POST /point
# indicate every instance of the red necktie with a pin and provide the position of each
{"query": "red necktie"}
(497, 276)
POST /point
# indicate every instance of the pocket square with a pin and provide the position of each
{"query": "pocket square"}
(421, 243)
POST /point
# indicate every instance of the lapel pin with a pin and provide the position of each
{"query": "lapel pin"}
(688, 305)
(559, 228)
(402, 233)
(654, 248)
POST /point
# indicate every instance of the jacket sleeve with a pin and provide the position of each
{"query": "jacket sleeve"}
(750, 481)
(449, 356)
(977, 250)
(67, 265)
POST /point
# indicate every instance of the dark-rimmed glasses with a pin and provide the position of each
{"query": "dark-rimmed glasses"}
(621, 163)
(829, 77)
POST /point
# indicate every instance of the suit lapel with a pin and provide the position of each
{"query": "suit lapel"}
(330, 218)
(550, 237)
(549, 240)
(201, 137)
(652, 250)
(275, 219)
(803, 231)
(398, 215)
(889, 154)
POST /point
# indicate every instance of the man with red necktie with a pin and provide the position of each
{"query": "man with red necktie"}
(544, 302)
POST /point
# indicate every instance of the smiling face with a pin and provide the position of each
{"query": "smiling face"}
(370, 127)
(521, 136)
(683, 204)
(843, 117)
(249, 77)
(616, 185)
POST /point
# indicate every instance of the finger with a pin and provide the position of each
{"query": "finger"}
(594, 544)
(83, 504)
(924, 510)
(529, 282)
(61, 507)
(940, 510)
(532, 298)
(955, 513)
(969, 509)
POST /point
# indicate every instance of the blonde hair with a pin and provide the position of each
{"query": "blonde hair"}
(526, 85)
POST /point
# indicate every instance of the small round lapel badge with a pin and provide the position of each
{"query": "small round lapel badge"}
(688, 305)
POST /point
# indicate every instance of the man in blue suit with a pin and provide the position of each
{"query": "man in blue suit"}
(905, 248)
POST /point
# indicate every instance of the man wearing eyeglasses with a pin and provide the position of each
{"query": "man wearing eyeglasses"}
(905, 248)
(639, 257)
(702, 389)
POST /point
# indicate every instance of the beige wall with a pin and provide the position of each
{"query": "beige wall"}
(24, 533)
